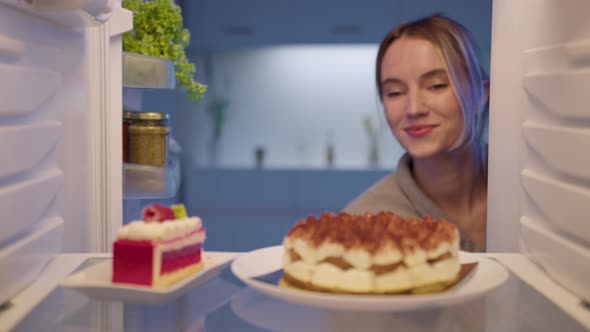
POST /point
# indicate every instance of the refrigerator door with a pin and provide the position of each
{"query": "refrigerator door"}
(60, 115)
(539, 178)
(39, 193)
(60, 132)
(43, 112)
(22, 261)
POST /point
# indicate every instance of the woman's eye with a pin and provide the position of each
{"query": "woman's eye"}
(393, 94)
(439, 86)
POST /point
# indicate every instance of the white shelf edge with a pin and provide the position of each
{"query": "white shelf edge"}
(149, 72)
(11, 48)
(536, 278)
(70, 14)
(148, 182)
(121, 21)
(23, 303)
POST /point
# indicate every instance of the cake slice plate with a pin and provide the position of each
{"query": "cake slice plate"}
(260, 268)
(95, 281)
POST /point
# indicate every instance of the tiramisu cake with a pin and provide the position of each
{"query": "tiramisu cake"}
(371, 254)
(159, 250)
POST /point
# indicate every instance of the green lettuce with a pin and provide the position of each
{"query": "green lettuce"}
(158, 31)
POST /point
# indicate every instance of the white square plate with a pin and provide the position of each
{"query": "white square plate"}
(95, 281)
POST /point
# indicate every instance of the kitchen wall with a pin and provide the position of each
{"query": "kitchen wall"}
(292, 101)
(293, 87)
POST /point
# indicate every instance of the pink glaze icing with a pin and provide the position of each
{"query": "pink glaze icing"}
(133, 260)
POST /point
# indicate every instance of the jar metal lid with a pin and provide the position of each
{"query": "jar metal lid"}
(151, 116)
(127, 115)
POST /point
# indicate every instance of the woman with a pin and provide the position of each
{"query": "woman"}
(435, 96)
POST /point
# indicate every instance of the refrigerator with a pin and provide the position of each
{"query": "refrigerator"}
(61, 169)
(539, 165)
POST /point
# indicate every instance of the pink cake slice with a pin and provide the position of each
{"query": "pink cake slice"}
(158, 254)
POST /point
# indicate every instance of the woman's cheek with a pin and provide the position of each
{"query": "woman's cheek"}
(394, 120)
(393, 113)
(391, 121)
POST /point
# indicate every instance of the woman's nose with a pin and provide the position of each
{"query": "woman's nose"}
(416, 106)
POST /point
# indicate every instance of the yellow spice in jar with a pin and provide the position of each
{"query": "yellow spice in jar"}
(148, 144)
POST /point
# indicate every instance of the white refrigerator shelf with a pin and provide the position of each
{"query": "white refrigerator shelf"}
(142, 71)
(565, 261)
(148, 182)
(68, 13)
(24, 302)
(22, 261)
(36, 193)
(537, 278)
(27, 145)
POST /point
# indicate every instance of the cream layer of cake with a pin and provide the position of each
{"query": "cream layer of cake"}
(158, 254)
(345, 258)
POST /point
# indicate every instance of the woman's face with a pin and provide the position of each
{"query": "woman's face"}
(420, 104)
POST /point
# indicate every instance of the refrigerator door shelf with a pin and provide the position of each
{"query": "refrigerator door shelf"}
(565, 101)
(148, 182)
(566, 262)
(23, 260)
(141, 71)
(11, 48)
(548, 142)
(68, 13)
(26, 145)
(543, 286)
(48, 313)
(562, 204)
(561, 57)
(24, 203)
(24, 90)
(39, 306)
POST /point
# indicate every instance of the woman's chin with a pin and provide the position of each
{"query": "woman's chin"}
(423, 152)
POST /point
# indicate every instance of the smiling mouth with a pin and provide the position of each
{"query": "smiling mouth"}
(419, 131)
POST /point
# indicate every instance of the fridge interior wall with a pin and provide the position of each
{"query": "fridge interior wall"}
(60, 127)
(539, 170)
(539, 78)
(43, 116)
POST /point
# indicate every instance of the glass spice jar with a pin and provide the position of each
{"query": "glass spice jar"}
(148, 139)
(127, 120)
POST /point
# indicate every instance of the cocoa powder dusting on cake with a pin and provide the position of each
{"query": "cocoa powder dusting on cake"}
(372, 232)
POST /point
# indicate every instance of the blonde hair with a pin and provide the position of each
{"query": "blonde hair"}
(467, 77)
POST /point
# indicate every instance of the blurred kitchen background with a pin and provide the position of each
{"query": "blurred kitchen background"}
(291, 124)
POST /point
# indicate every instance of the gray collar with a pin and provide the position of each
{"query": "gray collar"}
(422, 203)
